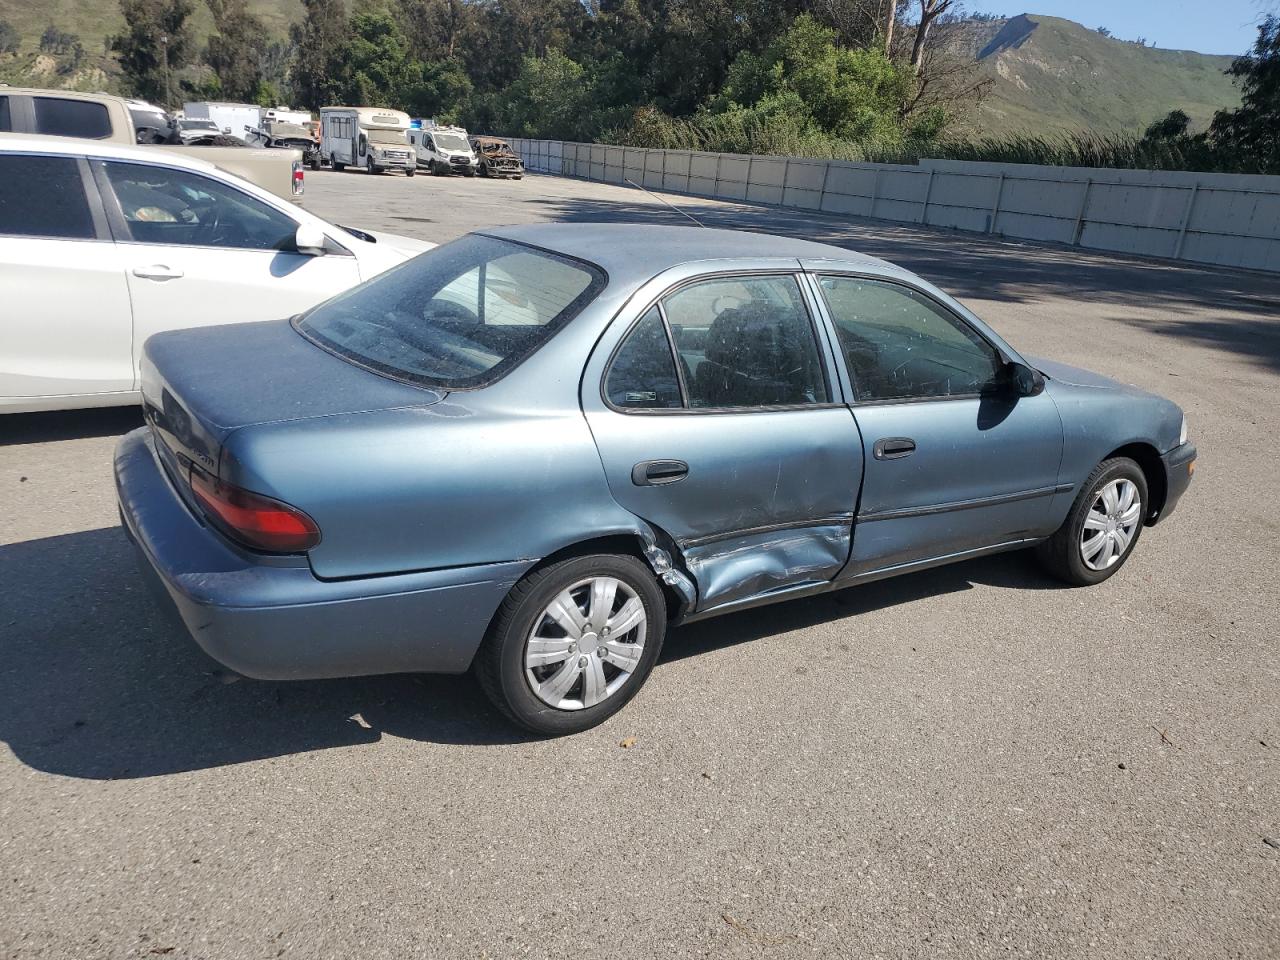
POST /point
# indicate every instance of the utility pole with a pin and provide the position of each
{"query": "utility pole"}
(168, 90)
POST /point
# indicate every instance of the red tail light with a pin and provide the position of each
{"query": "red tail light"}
(299, 179)
(256, 521)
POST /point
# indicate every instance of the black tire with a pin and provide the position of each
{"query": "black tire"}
(315, 163)
(412, 172)
(368, 167)
(338, 166)
(1062, 556)
(499, 665)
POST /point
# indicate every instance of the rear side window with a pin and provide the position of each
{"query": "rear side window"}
(6, 124)
(43, 197)
(643, 374)
(72, 118)
(746, 342)
(459, 316)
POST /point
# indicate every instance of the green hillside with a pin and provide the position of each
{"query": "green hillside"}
(92, 22)
(1055, 75)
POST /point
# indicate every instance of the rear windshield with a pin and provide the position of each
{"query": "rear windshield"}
(459, 316)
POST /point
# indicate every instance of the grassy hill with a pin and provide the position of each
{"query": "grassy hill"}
(93, 21)
(1052, 75)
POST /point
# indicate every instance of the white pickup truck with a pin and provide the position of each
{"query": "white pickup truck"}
(100, 116)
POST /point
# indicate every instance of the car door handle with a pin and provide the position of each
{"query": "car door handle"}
(654, 473)
(893, 448)
(157, 271)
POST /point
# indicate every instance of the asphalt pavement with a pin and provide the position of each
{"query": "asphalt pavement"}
(968, 762)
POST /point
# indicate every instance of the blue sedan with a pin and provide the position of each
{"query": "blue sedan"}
(532, 451)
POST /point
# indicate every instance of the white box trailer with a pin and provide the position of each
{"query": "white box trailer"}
(369, 137)
(285, 115)
(231, 118)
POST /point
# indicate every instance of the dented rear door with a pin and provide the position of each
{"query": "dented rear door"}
(735, 444)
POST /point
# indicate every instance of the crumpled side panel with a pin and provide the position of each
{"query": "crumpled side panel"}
(744, 566)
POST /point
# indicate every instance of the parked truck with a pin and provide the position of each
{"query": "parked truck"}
(101, 116)
(283, 134)
(369, 137)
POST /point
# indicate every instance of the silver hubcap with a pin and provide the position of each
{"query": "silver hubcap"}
(585, 644)
(1110, 524)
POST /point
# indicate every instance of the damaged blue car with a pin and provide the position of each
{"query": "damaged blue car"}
(532, 451)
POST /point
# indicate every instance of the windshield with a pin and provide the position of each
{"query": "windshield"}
(387, 136)
(450, 141)
(459, 316)
(197, 125)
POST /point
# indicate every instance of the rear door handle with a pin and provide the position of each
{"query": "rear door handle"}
(157, 271)
(654, 473)
(893, 448)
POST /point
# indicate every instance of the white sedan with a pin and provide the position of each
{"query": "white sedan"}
(103, 245)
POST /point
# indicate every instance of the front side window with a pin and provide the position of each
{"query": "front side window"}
(746, 342)
(6, 123)
(43, 197)
(643, 373)
(900, 345)
(459, 316)
(72, 118)
(163, 205)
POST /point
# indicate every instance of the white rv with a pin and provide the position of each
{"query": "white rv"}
(232, 118)
(443, 150)
(368, 137)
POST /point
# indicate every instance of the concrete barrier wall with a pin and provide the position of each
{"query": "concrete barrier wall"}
(1227, 219)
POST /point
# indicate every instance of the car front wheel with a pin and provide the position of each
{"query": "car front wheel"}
(573, 642)
(1103, 526)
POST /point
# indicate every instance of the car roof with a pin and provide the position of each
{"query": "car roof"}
(631, 248)
(75, 146)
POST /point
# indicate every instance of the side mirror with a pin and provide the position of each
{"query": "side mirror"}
(1025, 381)
(309, 240)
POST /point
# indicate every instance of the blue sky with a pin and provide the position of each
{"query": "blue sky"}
(1210, 26)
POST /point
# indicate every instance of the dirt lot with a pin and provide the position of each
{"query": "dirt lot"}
(969, 762)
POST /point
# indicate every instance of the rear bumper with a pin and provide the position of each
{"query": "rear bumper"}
(1179, 465)
(271, 618)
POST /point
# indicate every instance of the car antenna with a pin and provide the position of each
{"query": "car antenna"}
(667, 202)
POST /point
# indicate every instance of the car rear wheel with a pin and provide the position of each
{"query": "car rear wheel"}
(573, 642)
(1103, 526)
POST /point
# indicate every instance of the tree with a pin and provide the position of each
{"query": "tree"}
(10, 39)
(156, 43)
(1171, 126)
(1254, 128)
(930, 11)
(853, 94)
(319, 41)
(237, 53)
(57, 41)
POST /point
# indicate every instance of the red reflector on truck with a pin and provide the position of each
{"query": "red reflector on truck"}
(256, 521)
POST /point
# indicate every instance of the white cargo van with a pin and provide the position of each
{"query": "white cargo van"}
(444, 150)
(368, 137)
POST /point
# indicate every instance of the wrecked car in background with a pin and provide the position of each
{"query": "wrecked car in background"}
(531, 450)
(497, 159)
(283, 135)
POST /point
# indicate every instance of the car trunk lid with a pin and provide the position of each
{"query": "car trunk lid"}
(200, 385)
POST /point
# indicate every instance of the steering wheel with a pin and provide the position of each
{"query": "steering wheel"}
(209, 216)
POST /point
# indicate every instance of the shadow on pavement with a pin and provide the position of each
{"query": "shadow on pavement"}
(22, 428)
(97, 682)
